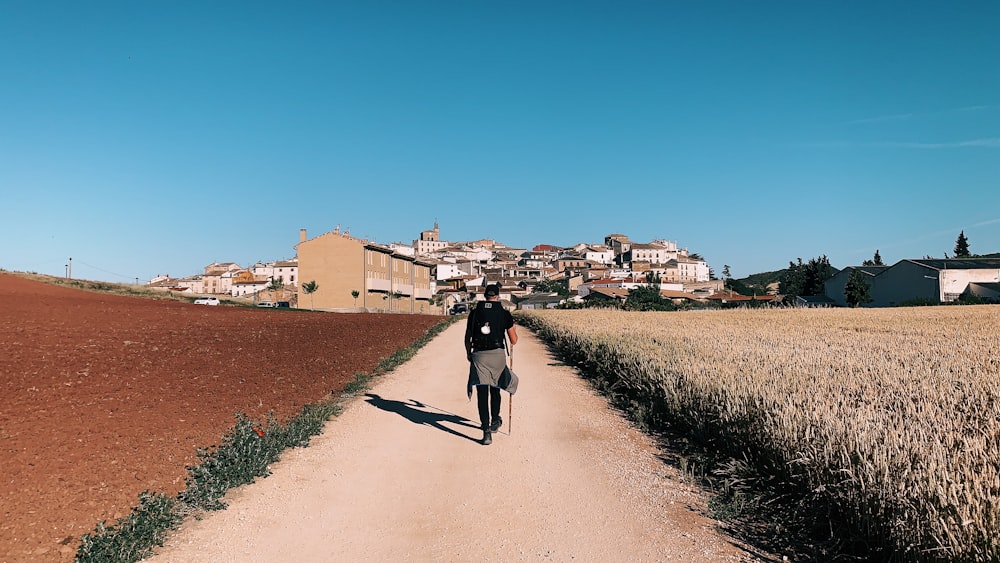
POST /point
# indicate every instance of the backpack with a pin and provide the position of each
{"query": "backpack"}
(488, 325)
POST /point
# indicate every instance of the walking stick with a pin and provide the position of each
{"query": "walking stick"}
(510, 399)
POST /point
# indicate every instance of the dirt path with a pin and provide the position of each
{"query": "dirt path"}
(401, 475)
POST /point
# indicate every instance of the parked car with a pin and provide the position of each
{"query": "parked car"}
(265, 304)
(459, 309)
(207, 301)
(284, 304)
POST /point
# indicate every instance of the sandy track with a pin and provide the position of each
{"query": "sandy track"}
(400, 475)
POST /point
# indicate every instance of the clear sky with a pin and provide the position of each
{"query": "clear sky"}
(142, 138)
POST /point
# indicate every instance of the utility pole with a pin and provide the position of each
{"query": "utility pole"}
(69, 271)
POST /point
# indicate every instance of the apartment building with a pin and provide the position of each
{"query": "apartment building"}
(690, 270)
(343, 266)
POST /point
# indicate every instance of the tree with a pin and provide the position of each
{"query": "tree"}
(857, 292)
(653, 279)
(647, 299)
(818, 270)
(551, 286)
(792, 280)
(355, 293)
(274, 287)
(309, 288)
(725, 272)
(962, 246)
(876, 261)
(806, 279)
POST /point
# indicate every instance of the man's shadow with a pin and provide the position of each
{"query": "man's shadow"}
(413, 412)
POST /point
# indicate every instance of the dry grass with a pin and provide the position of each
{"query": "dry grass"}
(890, 416)
(125, 289)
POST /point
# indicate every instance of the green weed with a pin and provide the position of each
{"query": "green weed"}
(134, 536)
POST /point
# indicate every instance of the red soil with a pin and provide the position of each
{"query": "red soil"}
(105, 396)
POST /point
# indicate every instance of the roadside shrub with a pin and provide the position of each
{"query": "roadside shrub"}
(245, 454)
(133, 538)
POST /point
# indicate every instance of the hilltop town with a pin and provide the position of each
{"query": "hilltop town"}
(433, 276)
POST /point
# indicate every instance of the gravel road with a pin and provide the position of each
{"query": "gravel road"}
(400, 475)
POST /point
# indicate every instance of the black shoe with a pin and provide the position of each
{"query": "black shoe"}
(497, 423)
(487, 437)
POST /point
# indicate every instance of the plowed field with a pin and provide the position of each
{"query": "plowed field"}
(105, 396)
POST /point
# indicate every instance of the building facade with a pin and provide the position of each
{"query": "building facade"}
(353, 274)
(430, 241)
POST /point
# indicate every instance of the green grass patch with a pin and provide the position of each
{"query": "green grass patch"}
(134, 536)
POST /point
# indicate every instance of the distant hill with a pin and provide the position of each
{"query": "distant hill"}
(763, 279)
(756, 284)
(759, 283)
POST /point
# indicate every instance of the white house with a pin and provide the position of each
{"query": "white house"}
(243, 288)
(689, 270)
(285, 271)
(472, 253)
(404, 249)
(194, 284)
(598, 253)
(652, 253)
(450, 269)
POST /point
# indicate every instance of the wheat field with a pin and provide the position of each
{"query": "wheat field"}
(892, 416)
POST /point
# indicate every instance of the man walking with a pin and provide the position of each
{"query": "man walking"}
(485, 347)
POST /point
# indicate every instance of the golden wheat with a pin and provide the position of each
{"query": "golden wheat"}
(892, 414)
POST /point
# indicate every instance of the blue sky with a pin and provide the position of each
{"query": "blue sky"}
(142, 138)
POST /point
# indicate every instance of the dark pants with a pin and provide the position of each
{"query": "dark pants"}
(489, 404)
